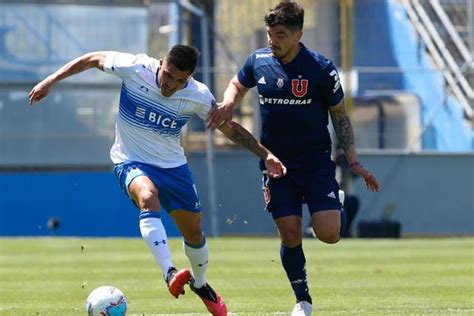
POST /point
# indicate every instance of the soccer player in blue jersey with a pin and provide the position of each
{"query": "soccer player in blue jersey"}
(297, 89)
(157, 98)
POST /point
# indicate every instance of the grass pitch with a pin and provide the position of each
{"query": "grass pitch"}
(53, 276)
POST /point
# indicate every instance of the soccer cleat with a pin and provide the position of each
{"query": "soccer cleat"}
(176, 280)
(302, 308)
(213, 301)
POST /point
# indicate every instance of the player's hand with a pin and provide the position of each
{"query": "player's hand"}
(40, 91)
(221, 113)
(275, 168)
(370, 180)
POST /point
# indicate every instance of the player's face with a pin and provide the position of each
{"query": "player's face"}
(171, 79)
(283, 42)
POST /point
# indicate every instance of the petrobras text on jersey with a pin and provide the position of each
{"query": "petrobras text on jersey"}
(283, 101)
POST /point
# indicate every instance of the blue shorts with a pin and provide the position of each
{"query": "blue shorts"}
(315, 186)
(176, 188)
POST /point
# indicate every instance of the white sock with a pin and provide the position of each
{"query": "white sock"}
(199, 258)
(154, 235)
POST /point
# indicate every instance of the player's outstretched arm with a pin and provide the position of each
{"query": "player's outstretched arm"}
(345, 135)
(222, 113)
(240, 135)
(80, 64)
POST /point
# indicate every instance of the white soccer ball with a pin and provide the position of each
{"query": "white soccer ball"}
(106, 301)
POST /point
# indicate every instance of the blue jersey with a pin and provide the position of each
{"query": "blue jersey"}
(294, 101)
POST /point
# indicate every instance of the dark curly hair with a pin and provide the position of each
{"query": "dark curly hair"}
(287, 13)
(183, 57)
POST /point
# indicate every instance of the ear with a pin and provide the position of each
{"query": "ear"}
(299, 35)
(161, 62)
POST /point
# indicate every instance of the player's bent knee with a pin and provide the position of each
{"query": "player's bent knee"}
(333, 239)
(147, 200)
(329, 237)
(291, 240)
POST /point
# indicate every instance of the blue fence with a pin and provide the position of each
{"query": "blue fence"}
(91, 203)
(86, 203)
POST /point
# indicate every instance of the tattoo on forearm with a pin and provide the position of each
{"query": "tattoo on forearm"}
(244, 138)
(342, 126)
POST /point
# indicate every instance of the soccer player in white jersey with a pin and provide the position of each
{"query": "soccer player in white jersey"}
(157, 98)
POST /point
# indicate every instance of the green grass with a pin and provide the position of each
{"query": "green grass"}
(52, 276)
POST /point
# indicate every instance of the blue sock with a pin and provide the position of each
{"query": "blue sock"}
(343, 223)
(294, 263)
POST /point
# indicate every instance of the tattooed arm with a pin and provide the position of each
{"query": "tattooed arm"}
(241, 136)
(345, 135)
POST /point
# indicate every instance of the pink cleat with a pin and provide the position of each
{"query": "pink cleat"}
(176, 280)
(213, 301)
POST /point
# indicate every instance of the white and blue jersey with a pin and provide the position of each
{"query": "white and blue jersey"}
(149, 125)
(148, 129)
(294, 100)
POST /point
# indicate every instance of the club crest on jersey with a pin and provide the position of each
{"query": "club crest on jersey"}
(280, 83)
(299, 87)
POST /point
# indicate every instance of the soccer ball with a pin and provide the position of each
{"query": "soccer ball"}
(106, 301)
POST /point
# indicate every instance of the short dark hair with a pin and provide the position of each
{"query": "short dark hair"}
(287, 13)
(183, 57)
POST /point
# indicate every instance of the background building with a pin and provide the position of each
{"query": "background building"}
(407, 67)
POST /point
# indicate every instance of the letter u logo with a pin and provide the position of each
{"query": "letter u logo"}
(299, 87)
